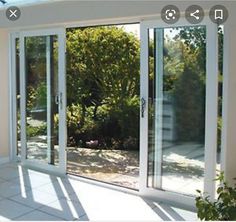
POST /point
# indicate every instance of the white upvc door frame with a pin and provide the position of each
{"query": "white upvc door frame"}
(12, 98)
(60, 32)
(211, 112)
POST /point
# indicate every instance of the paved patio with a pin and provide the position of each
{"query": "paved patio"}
(27, 195)
(183, 166)
(120, 167)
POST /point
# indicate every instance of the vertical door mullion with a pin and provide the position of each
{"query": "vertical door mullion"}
(13, 100)
(23, 98)
(144, 119)
(49, 99)
(62, 101)
(159, 100)
(211, 109)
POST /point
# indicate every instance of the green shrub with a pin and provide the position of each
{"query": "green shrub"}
(37, 96)
(115, 126)
(32, 131)
(31, 97)
(131, 143)
(224, 208)
(41, 94)
(80, 128)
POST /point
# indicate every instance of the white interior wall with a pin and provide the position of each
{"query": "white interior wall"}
(229, 98)
(4, 99)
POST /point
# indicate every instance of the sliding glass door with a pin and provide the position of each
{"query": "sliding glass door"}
(179, 109)
(42, 84)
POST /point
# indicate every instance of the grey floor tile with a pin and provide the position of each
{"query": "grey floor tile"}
(22, 191)
(10, 209)
(32, 180)
(8, 173)
(37, 216)
(84, 218)
(34, 198)
(8, 189)
(178, 214)
(58, 188)
(63, 208)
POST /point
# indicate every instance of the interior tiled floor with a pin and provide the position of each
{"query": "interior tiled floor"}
(27, 195)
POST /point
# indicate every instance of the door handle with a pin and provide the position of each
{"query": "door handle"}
(61, 100)
(57, 99)
(143, 107)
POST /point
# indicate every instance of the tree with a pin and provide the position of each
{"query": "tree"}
(103, 67)
(103, 85)
(195, 39)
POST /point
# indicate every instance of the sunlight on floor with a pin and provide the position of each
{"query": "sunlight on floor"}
(30, 195)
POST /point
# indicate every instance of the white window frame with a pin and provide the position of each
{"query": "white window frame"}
(12, 98)
(211, 113)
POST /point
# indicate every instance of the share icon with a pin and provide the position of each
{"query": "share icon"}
(194, 14)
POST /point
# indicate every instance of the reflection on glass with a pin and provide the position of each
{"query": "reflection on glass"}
(177, 62)
(220, 99)
(41, 93)
(18, 139)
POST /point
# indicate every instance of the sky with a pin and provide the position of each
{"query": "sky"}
(133, 28)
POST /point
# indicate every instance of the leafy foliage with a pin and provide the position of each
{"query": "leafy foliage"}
(224, 208)
(103, 86)
(111, 127)
(32, 131)
(184, 84)
(195, 39)
(103, 65)
(189, 99)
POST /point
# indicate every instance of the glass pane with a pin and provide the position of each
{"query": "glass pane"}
(17, 45)
(177, 70)
(220, 99)
(41, 98)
